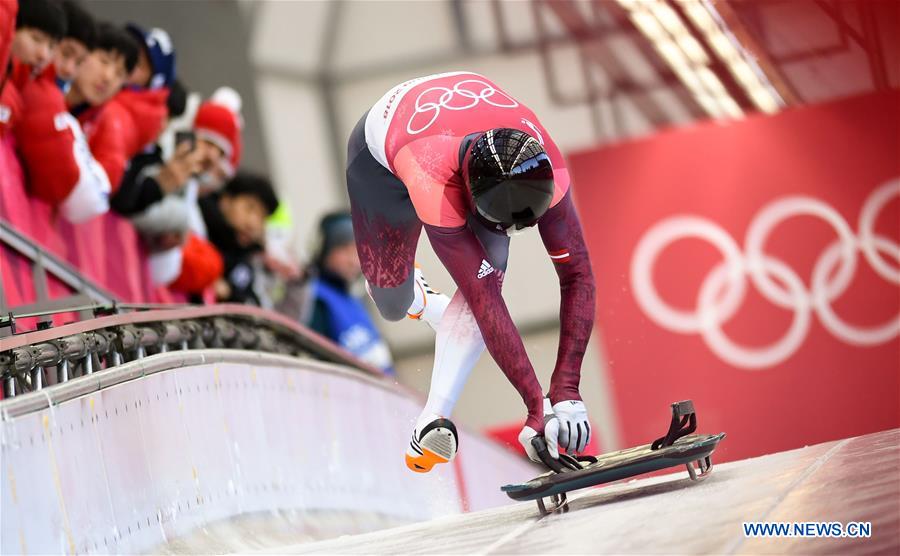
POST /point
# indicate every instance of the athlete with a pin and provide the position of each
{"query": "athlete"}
(456, 154)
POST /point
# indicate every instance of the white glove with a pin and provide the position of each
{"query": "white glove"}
(551, 433)
(574, 429)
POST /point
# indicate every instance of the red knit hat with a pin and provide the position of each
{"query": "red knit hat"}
(218, 121)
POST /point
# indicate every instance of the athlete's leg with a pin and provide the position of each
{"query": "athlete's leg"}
(385, 226)
(459, 343)
(393, 303)
(457, 348)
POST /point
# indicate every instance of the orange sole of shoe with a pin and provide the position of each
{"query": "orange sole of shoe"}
(418, 315)
(425, 462)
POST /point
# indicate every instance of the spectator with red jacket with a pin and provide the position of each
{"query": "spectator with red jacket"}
(147, 87)
(76, 44)
(51, 145)
(106, 124)
(40, 24)
(8, 11)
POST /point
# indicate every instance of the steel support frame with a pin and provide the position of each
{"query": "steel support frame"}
(591, 40)
(669, 78)
(751, 43)
(868, 39)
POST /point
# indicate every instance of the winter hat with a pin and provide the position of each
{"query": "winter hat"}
(335, 230)
(219, 121)
(226, 96)
(44, 15)
(159, 49)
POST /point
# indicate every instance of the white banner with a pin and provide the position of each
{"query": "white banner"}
(131, 467)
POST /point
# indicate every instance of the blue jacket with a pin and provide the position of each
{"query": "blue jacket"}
(344, 319)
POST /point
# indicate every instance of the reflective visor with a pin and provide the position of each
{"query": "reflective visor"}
(510, 177)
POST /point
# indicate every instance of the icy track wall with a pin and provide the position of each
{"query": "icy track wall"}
(129, 459)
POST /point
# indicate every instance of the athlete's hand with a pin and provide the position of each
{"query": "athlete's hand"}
(551, 433)
(574, 429)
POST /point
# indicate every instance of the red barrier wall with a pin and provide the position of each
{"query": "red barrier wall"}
(754, 267)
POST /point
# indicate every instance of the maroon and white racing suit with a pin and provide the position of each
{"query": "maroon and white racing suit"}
(403, 173)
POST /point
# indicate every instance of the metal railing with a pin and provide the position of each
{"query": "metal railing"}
(44, 264)
(35, 360)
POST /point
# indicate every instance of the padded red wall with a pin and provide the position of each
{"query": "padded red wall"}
(752, 266)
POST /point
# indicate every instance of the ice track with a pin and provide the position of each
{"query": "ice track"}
(856, 479)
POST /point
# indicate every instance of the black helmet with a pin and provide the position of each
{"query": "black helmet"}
(509, 176)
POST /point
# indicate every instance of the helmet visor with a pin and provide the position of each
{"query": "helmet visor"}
(517, 201)
(510, 177)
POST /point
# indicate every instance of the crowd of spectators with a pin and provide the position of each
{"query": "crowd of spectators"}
(111, 142)
(110, 162)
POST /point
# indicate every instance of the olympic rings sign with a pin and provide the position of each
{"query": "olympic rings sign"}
(722, 290)
(464, 98)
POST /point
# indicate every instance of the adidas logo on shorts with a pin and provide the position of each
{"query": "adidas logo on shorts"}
(485, 270)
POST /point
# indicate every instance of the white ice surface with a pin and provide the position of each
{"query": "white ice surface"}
(856, 479)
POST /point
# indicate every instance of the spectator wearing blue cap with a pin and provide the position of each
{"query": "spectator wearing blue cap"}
(146, 93)
(156, 62)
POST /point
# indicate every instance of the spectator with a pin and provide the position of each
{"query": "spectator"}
(89, 101)
(327, 304)
(219, 121)
(52, 147)
(39, 26)
(148, 180)
(162, 198)
(155, 68)
(280, 265)
(8, 12)
(216, 136)
(148, 86)
(79, 40)
(169, 220)
(100, 77)
(235, 220)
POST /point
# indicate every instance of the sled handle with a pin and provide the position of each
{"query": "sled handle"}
(684, 422)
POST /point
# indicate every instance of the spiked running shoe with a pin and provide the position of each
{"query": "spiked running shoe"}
(428, 304)
(437, 443)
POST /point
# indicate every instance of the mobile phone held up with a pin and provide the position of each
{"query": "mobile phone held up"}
(185, 137)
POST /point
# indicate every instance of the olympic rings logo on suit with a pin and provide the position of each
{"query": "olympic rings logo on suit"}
(488, 94)
(723, 289)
